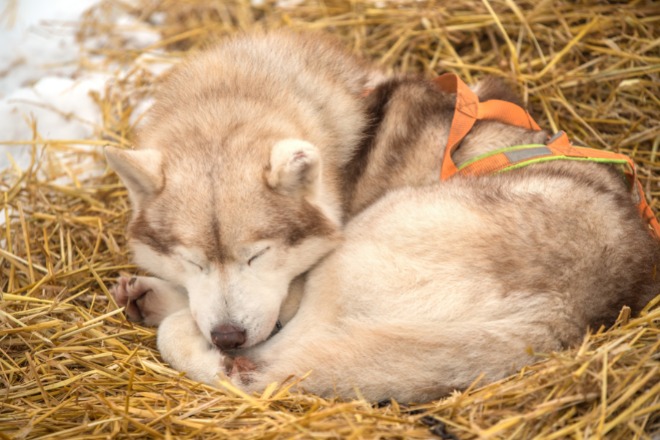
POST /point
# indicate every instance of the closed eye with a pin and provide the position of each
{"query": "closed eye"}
(197, 265)
(257, 255)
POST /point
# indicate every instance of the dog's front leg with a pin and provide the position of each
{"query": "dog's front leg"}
(182, 345)
(148, 300)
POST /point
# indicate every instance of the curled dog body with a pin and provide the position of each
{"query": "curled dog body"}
(234, 198)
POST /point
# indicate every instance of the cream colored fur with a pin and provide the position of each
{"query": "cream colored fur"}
(417, 300)
(430, 287)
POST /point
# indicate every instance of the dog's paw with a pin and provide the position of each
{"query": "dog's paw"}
(147, 300)
(239, 369)
(182, 346)
(128, 293)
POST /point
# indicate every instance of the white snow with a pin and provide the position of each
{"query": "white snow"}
(39, 75)
(37, 38)
(38, 55)
(61, 107)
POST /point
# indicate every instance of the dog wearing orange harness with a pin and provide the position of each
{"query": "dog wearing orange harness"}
(429, 287)
(252, 158)
(436, 286)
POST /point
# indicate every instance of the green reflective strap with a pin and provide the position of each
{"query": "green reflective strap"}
(516, 154)
(501, 150)
(551, 158)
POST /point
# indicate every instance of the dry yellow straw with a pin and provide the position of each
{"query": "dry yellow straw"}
(71, 366)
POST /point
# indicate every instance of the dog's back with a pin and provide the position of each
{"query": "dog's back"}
(557, 231)
(402, 144)
(557, 227)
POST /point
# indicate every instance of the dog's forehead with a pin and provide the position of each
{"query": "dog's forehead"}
(223, 223)
(208, 200)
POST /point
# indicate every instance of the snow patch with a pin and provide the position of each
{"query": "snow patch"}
(62, 109)
(37, 62)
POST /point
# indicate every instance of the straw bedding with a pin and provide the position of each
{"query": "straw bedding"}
(71, 366)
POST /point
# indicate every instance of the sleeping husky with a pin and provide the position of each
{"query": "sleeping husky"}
(253, 158)
(433, 286)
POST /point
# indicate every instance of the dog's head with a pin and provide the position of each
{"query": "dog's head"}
(234, 231)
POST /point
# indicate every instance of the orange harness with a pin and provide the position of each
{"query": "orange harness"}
(558, 147)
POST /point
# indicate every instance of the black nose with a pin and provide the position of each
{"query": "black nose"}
(227, 336)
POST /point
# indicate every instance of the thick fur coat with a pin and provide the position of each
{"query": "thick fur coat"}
(429, 286)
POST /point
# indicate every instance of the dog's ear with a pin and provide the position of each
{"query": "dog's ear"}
(295, 168)
(140, 170)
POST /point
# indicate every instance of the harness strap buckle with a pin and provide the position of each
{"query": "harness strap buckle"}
(555, 137)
